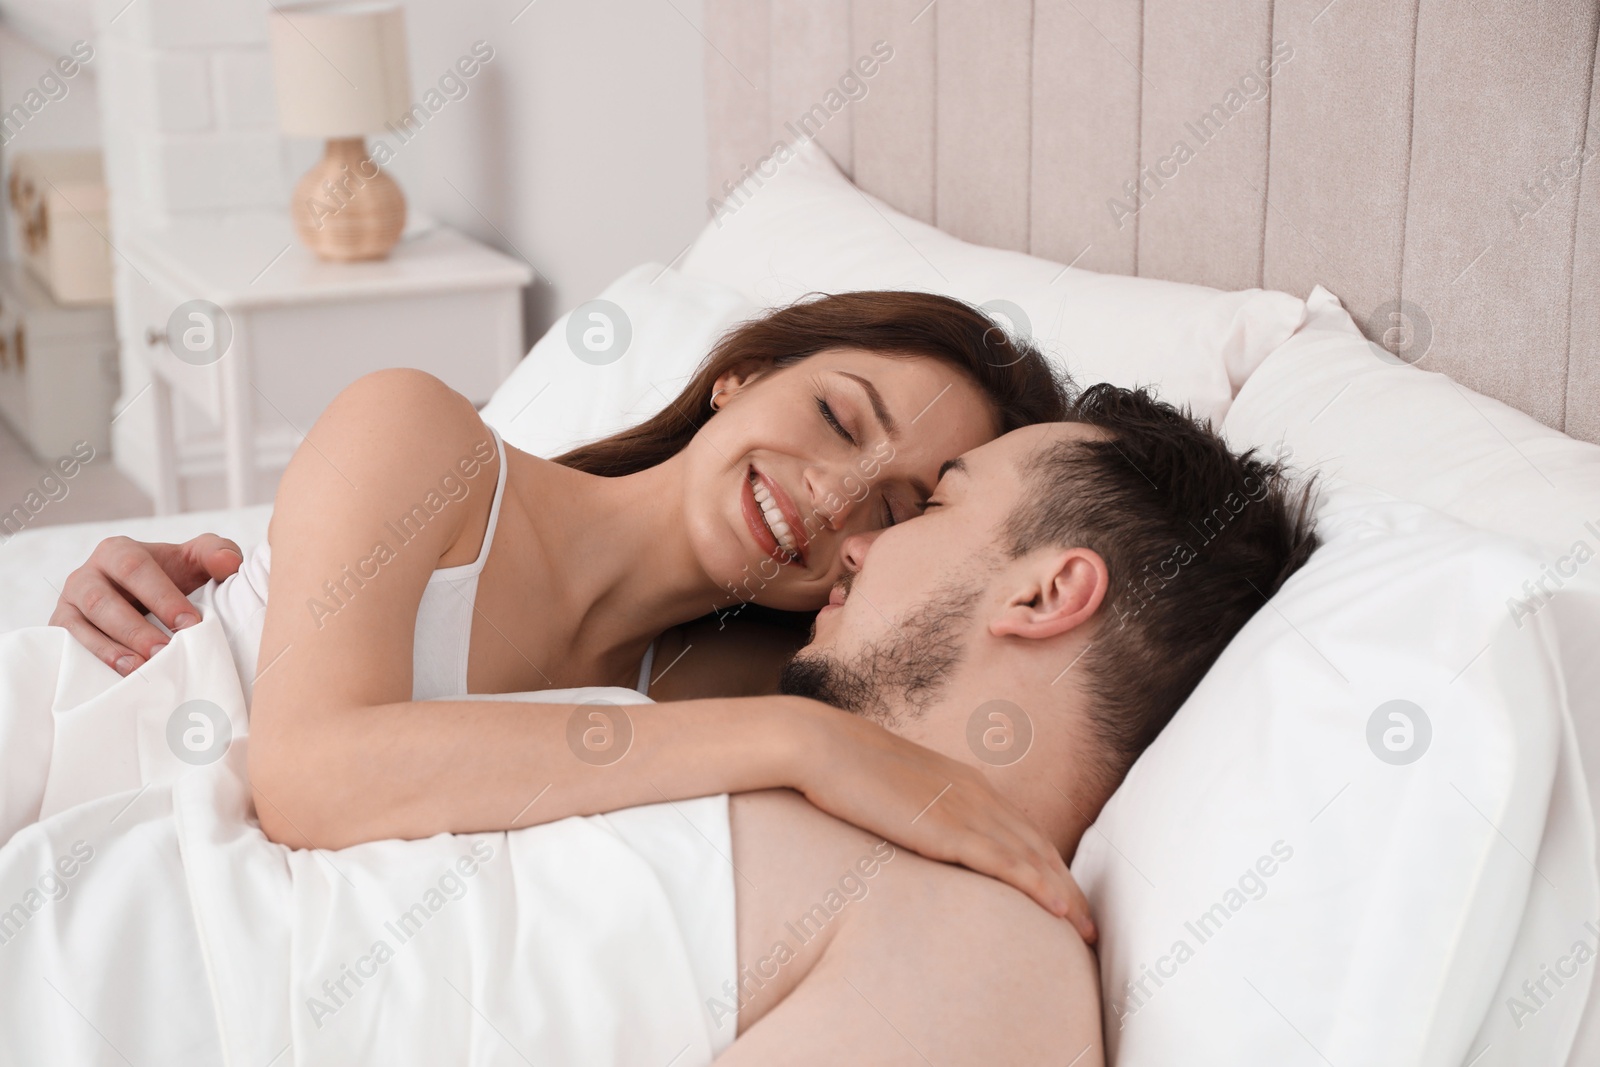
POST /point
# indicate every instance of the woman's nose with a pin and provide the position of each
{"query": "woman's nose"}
(833, 502)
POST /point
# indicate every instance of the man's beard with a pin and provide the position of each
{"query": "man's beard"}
(895, 678)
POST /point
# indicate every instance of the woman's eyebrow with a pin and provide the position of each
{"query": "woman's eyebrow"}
(957, 464)
(891, 428)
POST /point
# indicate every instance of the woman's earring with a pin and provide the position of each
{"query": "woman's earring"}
(714, 396)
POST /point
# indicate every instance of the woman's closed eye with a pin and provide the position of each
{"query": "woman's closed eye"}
(832, 420)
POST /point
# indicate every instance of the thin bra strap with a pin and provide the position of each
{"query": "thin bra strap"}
(644, 669)
(494, 506)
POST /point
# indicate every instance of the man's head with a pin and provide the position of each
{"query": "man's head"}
(1088, 573)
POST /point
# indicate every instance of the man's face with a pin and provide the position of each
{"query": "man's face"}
(917, 595)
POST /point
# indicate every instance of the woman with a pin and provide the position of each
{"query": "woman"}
(412, 556)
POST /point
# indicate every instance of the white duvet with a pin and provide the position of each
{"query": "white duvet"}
(145, 919)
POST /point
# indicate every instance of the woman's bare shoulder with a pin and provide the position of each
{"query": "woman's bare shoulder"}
(389, 439)
(403, 404)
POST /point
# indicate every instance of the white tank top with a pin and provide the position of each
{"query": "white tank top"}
(439, 650)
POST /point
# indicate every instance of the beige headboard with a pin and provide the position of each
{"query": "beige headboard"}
(1432, 163)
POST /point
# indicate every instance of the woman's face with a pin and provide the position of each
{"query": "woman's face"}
(801, 457)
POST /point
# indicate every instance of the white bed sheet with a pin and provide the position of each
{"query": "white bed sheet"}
(144, 918)
(35, 562)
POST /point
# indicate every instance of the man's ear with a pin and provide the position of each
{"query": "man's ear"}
(1063, 590)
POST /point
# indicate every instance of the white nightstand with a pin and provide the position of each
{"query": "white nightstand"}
(302, 330)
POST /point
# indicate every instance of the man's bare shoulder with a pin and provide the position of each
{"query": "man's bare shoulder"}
(851, 950)
(798, 873)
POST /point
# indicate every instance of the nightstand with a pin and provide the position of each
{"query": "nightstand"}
(58, 368)
(240, 320)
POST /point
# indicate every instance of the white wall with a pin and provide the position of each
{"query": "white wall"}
(582, 142)
(580, 146)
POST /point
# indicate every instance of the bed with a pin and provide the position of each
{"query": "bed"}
(1430, 163)
(1425, 164)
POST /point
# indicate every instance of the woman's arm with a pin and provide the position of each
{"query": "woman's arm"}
(340, 754)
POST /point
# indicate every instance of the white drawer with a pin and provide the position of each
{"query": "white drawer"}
(57, 383)
(153, 306)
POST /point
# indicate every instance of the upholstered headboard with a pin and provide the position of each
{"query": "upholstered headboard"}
(1431, 162)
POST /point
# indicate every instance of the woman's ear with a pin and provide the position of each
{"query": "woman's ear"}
(1063, 589)
(731, 381)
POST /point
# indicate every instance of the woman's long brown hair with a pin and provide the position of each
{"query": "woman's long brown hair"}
(1018, 381)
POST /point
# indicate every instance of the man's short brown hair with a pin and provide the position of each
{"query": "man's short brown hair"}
(1195, 539)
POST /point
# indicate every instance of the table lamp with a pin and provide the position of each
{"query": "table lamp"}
(341, 74)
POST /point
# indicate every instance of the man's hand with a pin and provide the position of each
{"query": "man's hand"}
(103, 602)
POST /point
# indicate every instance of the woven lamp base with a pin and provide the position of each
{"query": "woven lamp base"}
(346, 208)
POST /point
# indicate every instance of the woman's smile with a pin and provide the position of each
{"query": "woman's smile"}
(773, 519)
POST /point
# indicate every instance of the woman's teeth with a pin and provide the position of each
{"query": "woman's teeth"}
(774, 518)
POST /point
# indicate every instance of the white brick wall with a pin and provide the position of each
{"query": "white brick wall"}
(245, 96)
(189, 128)
(173, 90)
(217, 171)
(185, 23)
(186, 88)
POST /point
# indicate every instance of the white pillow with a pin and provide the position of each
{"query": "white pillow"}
(654, 328)
(1342, 404)
(1420, 436)
(1360, 910)
(808, 229)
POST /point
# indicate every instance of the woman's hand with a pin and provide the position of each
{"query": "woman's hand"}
(103, 602)
(937, 807)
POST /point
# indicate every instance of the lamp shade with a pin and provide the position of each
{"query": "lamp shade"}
(341, 68)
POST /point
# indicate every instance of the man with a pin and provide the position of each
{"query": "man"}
(1066, 589)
